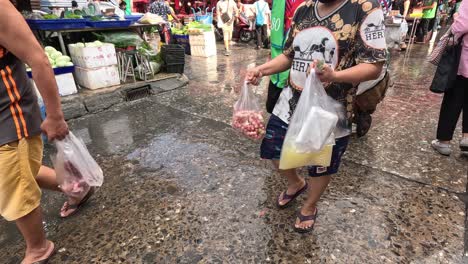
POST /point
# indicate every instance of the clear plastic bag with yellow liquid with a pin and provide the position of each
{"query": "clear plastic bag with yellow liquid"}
(311, 132)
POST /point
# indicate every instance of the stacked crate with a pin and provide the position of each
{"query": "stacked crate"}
(174, 58)
(203, 44)
(95, 67)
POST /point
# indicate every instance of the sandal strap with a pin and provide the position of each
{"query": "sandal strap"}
(287, 196)
(82, 202)
(304, 218)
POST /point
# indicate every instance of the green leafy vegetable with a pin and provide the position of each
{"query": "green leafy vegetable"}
(96, 18)
(50, 16)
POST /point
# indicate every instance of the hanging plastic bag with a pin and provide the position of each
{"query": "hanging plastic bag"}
(75, 168)
(311, 132)
(403, 30)
(247, 117)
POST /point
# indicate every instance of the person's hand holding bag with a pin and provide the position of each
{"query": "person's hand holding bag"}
(253, 76)
(325, 73)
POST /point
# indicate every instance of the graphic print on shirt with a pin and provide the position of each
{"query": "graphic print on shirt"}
(373, 30)
(316, 43)
(352, 34)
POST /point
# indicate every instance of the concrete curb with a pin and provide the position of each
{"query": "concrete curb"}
(90, 102)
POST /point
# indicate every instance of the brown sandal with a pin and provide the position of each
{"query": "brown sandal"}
(76, 207)
(303, 218)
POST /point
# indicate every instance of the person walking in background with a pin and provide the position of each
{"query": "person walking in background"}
(427, 21)
(227, 11)
(262, 22)
(20, 130)
(402, 6)
(74, 5)
(282, 12)
(123, 7)
(244, 13)
(162, 9)
(386, 7)
(455, 98)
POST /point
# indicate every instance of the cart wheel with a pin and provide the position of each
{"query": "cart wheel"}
(246, 36)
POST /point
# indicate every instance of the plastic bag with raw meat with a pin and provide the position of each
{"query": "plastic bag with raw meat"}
(74, 166)
(247, 117)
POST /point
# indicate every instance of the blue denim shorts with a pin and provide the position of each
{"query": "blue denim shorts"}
(273, 142)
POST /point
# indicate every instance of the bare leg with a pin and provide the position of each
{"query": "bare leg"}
(317, 186)
(37, 246)
(47, 179)
(295, 182)
(227, 45)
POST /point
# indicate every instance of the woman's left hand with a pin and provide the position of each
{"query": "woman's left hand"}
(326, 74)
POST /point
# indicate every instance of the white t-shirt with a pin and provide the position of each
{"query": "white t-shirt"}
(262, 7)
(226, 6)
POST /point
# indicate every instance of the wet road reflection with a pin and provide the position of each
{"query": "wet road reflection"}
(182, 187)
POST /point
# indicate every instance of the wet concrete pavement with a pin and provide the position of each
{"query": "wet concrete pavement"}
(182, 187)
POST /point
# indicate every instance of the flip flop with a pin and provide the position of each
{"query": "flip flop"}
(76, 207)
(46, 260)
(291, 197)
(303, 218)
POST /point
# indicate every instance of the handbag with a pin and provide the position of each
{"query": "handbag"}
(447, 69)
(436, 54)
(225, 17)
(368, 101)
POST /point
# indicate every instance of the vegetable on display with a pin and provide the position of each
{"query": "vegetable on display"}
(95, 44)
(56, 58)
(193, 27)
(50, 16)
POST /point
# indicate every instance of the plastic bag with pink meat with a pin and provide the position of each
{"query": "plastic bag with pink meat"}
(75, 168)
(247, 117)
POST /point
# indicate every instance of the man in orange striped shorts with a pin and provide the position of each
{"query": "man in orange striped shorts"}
(20, 129)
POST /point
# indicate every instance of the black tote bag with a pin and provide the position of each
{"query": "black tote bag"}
(446, 72)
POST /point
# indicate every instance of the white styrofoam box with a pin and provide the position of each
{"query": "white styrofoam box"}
(204, 39)
(65, 83)
(61, 3)
(97, 78)
(93, 57)
(202, 51)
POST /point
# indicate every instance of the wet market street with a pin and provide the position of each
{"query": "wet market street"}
(182, 187)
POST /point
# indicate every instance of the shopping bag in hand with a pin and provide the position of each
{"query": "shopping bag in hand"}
(75, 168)
(310, 136)
(247, 117)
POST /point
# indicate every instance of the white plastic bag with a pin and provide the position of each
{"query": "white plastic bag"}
(151, 19)
(310, 137)
(247, 117)
(74, 166)
(403, 30)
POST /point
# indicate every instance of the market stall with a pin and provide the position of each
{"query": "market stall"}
(124, 50)
(45, 32)
(94, 47)
(197, 38)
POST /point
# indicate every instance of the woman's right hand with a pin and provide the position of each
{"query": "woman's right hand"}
(253, 76)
